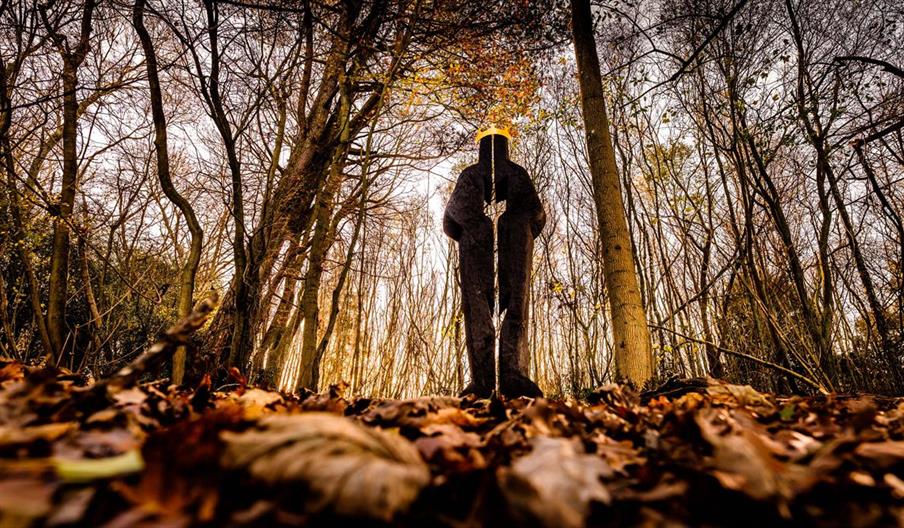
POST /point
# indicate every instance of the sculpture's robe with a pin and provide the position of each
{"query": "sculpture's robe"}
(518, 226)
(466, 222)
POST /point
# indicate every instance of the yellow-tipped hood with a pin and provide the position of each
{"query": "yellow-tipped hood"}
(491, 131)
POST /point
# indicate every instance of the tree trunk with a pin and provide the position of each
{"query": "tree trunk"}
(96, 318)
(310, 304)
(190, 266)
(633, 356)
(18, 227)
(59, 259)
(278, 331)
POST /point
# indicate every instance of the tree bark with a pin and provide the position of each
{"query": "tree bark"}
(633, 356)
(59, 260)
(190, 266)
(12, 197)
(310, 304)
(324, 231)
(95, 327)
(279, 330)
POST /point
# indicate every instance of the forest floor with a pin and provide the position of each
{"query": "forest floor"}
(701, 454)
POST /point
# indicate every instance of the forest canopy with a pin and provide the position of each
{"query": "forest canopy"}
(294, 158)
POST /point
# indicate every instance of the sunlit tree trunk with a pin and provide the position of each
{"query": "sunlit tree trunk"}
(633, 357)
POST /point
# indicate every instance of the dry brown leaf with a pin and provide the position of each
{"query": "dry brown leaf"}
(743, 459)
(255, 401)
(453, 435)
(618, 455)
(129, 397)
(895, 483)
(11, 370)
(744, 395)
(450, 415)
(666, 489)
(555, 483)
(689, 401)
(450, 447)
(23, 500)
(882, 454)
(795, 445)
(72, 506)
(98, 444)
(350, 469)
(11, 435)
(420, 412)
(742, 463)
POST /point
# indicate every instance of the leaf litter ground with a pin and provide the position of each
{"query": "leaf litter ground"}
(691, 454)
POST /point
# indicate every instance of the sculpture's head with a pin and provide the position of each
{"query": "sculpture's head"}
(493, 130)
(493, 140)
(494, 145)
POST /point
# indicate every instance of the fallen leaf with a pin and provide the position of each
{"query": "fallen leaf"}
(662, 491)
(129, 397)
(743, 459)
(256, 401)
(555, 483)
(96, 444)
(453, 435)
(895, 483)
(863, 411)
(12, 436)
(795, 445)
(882, 454)
(450, 447)
(350, 469)
(862, 478)
(72, 507)
(22, 500)
(420, 412)
(743, 395)
(450, 415)
(88, 469)
(619, 455)
(11, 370)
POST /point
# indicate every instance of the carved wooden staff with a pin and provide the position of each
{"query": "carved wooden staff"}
(494, 213)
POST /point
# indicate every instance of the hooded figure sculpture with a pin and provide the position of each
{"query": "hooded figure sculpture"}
(466, 222)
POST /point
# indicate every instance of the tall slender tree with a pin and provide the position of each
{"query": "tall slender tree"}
(72, 58)
(633, 354)
(190, 266)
